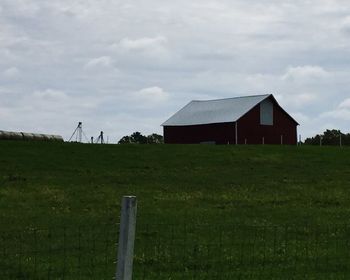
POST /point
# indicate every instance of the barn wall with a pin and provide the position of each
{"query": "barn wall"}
(220, 133)
(250, 129)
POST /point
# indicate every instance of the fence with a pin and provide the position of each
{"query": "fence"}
(68, 254)
(179, 251)
(83, 252)
(242, 252)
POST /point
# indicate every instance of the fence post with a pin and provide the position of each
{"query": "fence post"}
(126, 238)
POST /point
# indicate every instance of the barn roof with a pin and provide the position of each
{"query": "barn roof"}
(214, 111)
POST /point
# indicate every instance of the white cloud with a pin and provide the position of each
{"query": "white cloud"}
(345, 24)
(22, 8)
(300, 117)
(50, 95)
(345, 104)
(151, 95)
(4, 113)
(338, 114)
(98, 62)
(143, 44)
(306, 98)
(306, 72)
(11, 72)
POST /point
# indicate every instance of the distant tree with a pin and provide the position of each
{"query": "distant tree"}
(329, 137)
(138, 138)
(155, 138)
(125, 140)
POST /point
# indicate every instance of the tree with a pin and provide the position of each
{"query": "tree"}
(125, 140)
(138, 138)
(155, 138)
(329, 137)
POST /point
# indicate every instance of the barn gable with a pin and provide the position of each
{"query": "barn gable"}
(266, 112)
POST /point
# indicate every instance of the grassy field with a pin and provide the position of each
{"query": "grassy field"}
(299, 190)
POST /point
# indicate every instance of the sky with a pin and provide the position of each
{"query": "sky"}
(125, 66)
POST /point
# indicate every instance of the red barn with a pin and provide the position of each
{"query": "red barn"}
(255, 119)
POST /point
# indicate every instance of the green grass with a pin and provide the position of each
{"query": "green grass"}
(53, 185)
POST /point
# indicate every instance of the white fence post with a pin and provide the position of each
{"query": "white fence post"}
(126, 238)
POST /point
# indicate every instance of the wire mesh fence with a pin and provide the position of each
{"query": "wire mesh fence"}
(83, 252)
(242, 252)
(179, 251)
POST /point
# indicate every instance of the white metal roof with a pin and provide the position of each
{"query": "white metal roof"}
(214, 111)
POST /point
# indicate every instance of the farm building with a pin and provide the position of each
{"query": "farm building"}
(10, 135)
(255, 119)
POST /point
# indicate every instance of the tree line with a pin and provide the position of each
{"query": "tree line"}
(138, 138)
(330, 138)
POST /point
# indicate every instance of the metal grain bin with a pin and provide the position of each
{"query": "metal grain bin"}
(3, 135)
(38, 137)
(57, 138)
(15, 135)
(45, 137)
(9, 135)
(28, 136)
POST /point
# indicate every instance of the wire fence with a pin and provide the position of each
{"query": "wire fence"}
(83, 252)
(180, 251)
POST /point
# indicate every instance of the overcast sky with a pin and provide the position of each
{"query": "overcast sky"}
(124, 66)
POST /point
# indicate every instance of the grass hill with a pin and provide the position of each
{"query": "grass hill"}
(43, 183)
(65, 185)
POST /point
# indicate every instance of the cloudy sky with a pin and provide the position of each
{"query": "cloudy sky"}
(124, 66)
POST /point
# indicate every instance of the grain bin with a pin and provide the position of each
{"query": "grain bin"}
(15, 135)
(57, 138)
(10, 135)
(27, 136)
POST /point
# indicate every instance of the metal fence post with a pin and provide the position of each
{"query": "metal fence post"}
(126, 238)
